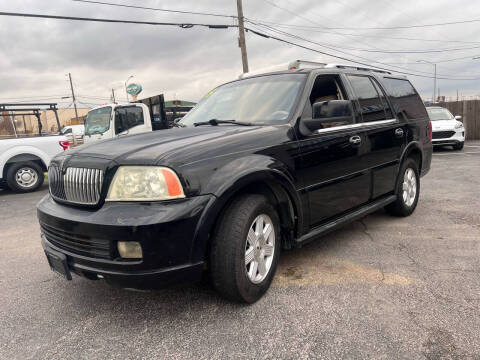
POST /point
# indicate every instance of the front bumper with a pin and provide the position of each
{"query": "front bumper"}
(457, 137)
(88, 238)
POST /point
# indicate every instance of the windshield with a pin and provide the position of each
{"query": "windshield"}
(260, 100)
(98, 120)
(439, 114)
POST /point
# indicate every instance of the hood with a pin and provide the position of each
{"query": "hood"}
(180, 145)
(438, 125)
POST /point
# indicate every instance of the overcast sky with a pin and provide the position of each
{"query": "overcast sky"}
(35, 54)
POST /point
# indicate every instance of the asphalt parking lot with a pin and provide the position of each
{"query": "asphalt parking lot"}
(383, 288)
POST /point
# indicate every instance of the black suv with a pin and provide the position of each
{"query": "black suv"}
(261, 164)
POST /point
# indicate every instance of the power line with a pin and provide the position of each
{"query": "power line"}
(315, 29)
(259, 33)
(335, 49)
(385, 51)
(154, 9)
(407, 26)
(347, 59)
(34, 97)
(182, 25)
(376, 28)
(360, 57)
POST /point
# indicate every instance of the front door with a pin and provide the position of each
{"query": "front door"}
(332, 169)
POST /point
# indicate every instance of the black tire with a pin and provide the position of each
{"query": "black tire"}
(458, 146)
(227, 257)
(29, 166)
(400, 207)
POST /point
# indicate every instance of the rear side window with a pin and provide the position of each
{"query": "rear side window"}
(127, 117)
(370, 98)
(405, 100)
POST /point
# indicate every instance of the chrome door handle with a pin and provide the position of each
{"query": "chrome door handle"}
(355, 140)
(399, 132)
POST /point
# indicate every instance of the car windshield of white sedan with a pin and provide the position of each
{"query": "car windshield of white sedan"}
(439, 114)
(258, 100)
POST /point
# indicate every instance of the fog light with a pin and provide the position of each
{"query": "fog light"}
(130, 249)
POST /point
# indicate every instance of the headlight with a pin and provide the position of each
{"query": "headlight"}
(458, 125)
(144, 183)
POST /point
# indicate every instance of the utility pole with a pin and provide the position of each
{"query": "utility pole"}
(73, 97)
(241, 36)
(113, 95)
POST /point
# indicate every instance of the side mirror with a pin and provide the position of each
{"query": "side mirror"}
(328, 113)
(458, 117)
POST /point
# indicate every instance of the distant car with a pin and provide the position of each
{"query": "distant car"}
(446, 128)
(76, 130)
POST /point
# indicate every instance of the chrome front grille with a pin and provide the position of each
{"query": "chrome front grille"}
(77, 185)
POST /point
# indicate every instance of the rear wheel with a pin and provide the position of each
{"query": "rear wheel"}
(245, 249)
(458, 146)
(24, 177)
(408, 190)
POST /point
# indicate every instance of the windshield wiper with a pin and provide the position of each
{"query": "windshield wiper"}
(215, 122)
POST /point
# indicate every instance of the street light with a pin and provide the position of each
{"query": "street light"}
(126, 81)
(434, 76)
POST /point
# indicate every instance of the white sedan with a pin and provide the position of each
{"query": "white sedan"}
(446, 128)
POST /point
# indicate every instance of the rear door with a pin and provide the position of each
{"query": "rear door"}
(385, 136)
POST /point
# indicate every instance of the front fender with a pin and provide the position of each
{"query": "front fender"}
(231, 178)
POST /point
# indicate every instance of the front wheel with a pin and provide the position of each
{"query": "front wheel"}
(245, 249)
(458, 146)
(24, 177)
(408, 190)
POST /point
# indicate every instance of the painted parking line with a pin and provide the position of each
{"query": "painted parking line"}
(474, 146)
(458, 153)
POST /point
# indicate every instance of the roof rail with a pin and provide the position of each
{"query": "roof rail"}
(301, 64)
(297, 64)
(342, 66)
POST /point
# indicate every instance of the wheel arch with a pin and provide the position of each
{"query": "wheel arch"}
(415, 151)
(412, 150)
(23, 157)
(269, 182)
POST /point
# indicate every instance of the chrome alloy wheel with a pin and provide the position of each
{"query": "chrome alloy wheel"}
(259, 248)
(26, 177)
(409, 187)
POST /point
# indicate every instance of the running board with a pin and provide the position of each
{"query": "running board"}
(339, 222)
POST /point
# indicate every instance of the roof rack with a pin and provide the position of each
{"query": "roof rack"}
(302, 64)
(360, 68)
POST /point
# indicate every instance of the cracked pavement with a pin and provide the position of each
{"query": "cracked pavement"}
(382, 287)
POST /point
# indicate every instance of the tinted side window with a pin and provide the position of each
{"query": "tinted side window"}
(386, 106)
(405, 100)
(371, 106)
(128, 117)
